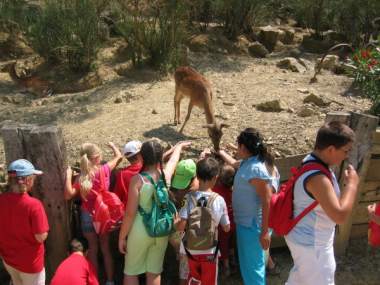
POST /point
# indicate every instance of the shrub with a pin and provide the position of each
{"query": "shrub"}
(67, 31)
(154, 31)
(366, 63)
(238, 16)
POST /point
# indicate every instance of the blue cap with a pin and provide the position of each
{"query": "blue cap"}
(23, 167)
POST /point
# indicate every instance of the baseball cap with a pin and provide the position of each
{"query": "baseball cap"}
(132, 148)
(184, 173)
(23, 167)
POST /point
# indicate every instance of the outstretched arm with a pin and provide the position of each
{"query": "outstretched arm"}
(69, 192)
(229, 159)
(117, 157)
(174, 158)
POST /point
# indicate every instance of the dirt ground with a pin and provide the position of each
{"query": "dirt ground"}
(139, 105)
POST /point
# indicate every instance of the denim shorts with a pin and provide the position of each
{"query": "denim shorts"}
(86, 222)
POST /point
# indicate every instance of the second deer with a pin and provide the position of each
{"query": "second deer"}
(190, 83)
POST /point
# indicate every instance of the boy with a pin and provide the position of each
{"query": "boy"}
(203, 263)
(311, 240)
(76, 269)
(131, 152)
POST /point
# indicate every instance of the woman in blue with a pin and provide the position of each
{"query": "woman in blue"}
(255, 178)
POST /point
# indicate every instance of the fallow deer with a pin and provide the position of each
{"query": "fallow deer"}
(190, 83)
(32, 84)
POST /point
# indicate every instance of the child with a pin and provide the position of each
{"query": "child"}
(90, 180)
(203, 264)
(145, 254)
(311, 240)
(76, 269)
(24, 226)
(226, 239)
(131, 152)
(184, 180)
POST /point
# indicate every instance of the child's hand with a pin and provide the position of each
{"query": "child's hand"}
(123, 246)
(69, 172)
(265, 240)
(351, 177)
(371, 210)
(205, 153)
(183, 144)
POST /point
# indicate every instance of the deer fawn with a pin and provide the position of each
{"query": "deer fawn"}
(189, 82)
(31, 84)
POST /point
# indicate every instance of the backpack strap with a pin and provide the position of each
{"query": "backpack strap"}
(146, 175)
(308, 166)
(102, 179)
(211, 199)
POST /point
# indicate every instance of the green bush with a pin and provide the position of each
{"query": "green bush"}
(366, 72)
(154, 30)
(238, 16)
(67, 31)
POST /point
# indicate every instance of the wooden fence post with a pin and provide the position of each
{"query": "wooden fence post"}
(45, 148)
(363, 126)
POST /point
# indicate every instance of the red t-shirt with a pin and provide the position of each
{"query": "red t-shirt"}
(21, 217)
(75, 270)
(123, 178)
(91, 197)
(226, 193)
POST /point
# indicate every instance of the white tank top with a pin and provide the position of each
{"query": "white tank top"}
(316, 228)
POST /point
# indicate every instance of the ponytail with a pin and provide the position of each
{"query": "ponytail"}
(85, 180)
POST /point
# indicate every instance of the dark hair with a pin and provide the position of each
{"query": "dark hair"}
(78, 244)
(207, 168)
(334, 134)
(254, 143)
(151, 153)
(226, 175)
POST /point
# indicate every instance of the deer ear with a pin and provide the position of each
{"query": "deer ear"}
(224, 125)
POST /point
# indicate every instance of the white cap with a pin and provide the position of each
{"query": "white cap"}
(132, 148)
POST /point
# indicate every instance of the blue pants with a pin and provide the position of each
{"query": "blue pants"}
(251, 255)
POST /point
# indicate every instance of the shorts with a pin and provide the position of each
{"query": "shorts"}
(312, 265)
(86, 222)
(21, 278)
(203, 269)
(183, 267)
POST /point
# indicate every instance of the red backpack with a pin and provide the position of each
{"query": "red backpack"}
(281, 218)
(108, 210)
(374, 230)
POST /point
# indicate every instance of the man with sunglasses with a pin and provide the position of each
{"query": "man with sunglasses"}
(24, 226)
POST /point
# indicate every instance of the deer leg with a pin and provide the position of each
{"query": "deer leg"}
(177, 106)
(189, 108)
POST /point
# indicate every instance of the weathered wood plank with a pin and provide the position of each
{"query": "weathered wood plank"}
(284, 165)
(375, 149)
(360, 216)
(359, 231)
(373, 173)
(364, 127)
(376, 136)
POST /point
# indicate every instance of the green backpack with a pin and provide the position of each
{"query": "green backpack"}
(160, 221)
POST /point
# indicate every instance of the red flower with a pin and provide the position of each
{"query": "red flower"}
(365, 53)
(356, 58)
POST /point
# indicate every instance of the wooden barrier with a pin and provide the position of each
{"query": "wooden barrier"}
(45, 148)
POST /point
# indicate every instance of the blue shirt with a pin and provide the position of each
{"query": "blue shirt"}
(246, 203)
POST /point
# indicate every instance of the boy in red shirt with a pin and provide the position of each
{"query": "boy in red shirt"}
(24, 226)
(123, 177)
(76, 269)
(223, 187)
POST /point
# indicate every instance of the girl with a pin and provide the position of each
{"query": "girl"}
(145, 254)
(250, 203)
(89, 179)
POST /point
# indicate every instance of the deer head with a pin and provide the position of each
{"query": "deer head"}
(215, 133)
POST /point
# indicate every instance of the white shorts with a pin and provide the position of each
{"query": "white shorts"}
(312, 265)
(22, 278)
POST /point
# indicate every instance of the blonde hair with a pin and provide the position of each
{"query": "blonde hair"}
(87, 168)
(15, 187)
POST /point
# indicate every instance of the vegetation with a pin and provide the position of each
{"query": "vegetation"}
(366, 73)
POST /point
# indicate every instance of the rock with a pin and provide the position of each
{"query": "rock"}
(279, 47)
(292, 64)
(14, 45)
(306, 111)
(271, 106)
(316, 100)
(154, 112)
(242, 44)
(256, 49)
(330, 62)
(269, 36)
(228, 104)
(215, 42)
(118, 100)
(288, 37)
(303, 90)
(199, 43)
(313, 45)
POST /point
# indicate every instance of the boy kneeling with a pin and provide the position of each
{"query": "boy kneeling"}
(200, 216)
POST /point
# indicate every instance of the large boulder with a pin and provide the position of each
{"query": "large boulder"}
(292, 64)
(271, 106)
(269, 36)
(288, 37)
(316, 100)
(242, 44)
(257, 49)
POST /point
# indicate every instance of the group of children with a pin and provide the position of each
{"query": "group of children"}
(233, 191)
